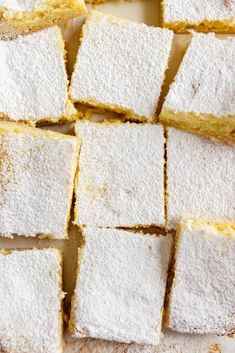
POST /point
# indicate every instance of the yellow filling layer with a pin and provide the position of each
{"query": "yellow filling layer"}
(6, 127)
(222, 128)
(129, 114)
(226, 26)
(224, 228)
(72, 325)
(44, 11)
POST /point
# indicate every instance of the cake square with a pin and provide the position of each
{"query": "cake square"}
(200, 15)
(121, 65)
(202, 295)
(30, 306)
(200, 178)
(201, 98)
(120, 182)
(37, 173)
(33, 78)
(22, 17)
(121, 285)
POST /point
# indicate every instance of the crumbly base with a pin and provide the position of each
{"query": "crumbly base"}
(204, 26)
(48, 14)
(220, 128)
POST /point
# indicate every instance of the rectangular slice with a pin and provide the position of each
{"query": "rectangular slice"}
(33, 78)
(199, 15)
(121, 285)
(37, 172)
(202, 295)
(124, 70)
(22, 17)
(200, 178)
(30, 306)
(201, 98)
(120, 182)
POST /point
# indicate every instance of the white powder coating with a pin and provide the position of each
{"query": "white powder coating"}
(20, 5)
(200, 176)
(205, 81)
(202, 298)
(121, 285)
(30, 294)
(196, 11)
(121, 175)
(33, 79)
(121, 64)
(36, 187)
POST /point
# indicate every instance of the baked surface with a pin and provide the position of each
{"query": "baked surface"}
(22, 17)
(200, 15)
(201, 98)
(202, 299)
(124, 70)
(120, 182)
(120, 286)
(200, 178)
(33, 87)
(37, 174)
(30, 305)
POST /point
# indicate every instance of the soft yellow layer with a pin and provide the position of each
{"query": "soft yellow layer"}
(62, 9)
(129, 114)
(204, 26)
(72, 325)
(17, 128)
(61, 312)
(224, 228)
(221, 128)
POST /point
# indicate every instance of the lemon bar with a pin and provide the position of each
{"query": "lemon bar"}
(30, 306)
(200, 178)
(121, 65)
(33, 78)
(199, 15)
(202, 295)
(37, 177)
(22, 17)
(120, 182)
(201, 98)
(120, 286)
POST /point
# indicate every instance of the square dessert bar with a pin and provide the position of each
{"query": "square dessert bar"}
(121, 65)
(120, 182)
(30, 306)
(200, 178)
(33, 78)
(22, 17)
(121, 285)
(37, 178)
(202, 295)
(201, 98)
(199, 15)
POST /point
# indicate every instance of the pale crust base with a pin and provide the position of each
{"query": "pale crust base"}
(10, 29)
(204, 26)
(220, 128)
